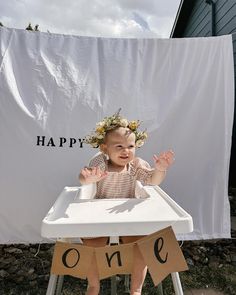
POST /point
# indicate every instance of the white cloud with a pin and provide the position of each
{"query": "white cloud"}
(108, 18)
(140, 20)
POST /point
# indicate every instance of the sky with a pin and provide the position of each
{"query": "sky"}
(100, 18)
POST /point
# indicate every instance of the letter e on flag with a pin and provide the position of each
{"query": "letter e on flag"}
(162, 254)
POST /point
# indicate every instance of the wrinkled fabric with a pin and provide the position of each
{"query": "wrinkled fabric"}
(53, 90)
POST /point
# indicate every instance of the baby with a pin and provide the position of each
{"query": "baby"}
(115, 171)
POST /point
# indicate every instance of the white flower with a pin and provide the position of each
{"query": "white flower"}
(139, 143)
(101, 124)
(115, 121)
(100, 136)
(124, 123)
(94, 144)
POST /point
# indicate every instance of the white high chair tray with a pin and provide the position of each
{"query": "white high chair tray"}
(74, 215)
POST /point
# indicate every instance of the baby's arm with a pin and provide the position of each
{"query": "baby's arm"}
(91, 175)
(162, 163)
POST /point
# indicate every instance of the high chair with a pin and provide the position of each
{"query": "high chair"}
(152, 210)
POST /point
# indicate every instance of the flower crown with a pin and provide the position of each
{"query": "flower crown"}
(111, 123)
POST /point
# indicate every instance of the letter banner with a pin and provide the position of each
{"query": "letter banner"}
(71, 259)
(112, 260)
(160, 251)
(162, 254)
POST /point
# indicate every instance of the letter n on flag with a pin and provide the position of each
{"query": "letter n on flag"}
(71, 259)
(113, 260)
(162, 254)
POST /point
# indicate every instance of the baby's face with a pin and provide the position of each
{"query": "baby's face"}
(120, 146)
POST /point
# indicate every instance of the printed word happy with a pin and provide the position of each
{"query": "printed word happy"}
(59, 142)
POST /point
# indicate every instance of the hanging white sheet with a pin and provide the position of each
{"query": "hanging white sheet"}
(54, 88)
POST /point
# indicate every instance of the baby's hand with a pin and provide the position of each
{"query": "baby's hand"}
(93, 174)
(164, 160)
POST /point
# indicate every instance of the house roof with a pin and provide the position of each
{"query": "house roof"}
(182, 16)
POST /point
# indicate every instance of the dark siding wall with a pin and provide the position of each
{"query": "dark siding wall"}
(199, 21)
(225, 17)
(199, 25)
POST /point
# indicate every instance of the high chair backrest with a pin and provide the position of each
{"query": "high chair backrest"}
(140, 192)
(86, 191)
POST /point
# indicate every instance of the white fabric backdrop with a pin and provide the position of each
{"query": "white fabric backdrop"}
(59, 86)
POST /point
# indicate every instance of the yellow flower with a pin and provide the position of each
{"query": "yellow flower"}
(100, 129)
(133, 125)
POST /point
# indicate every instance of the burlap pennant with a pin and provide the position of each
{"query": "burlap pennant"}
(160, 251)
(162, 254)
(71, 259)
(113, 260)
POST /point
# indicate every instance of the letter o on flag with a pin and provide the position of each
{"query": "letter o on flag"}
(64, 258)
